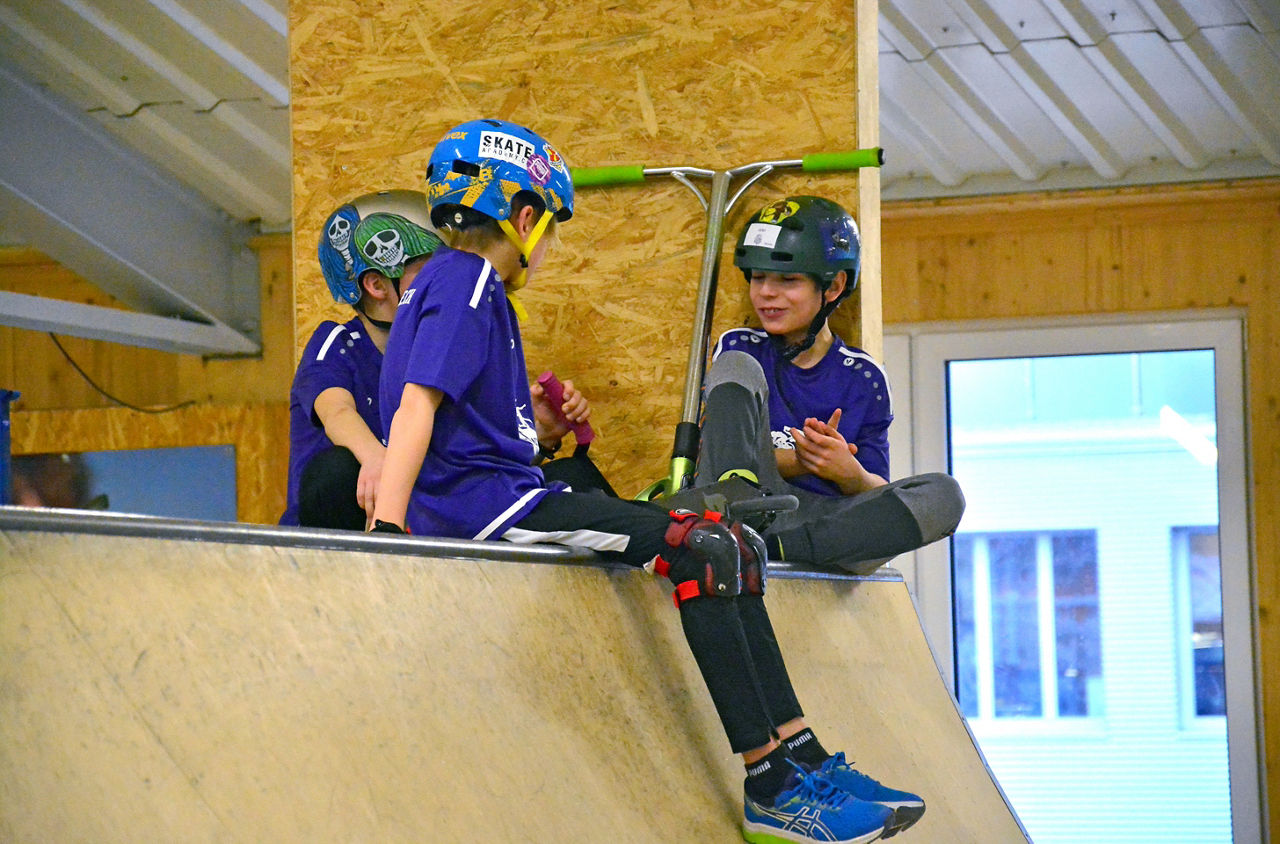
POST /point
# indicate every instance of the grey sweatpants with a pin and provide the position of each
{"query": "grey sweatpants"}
(858, 533)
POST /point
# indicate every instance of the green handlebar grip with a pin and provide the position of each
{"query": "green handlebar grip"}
(851, 160)
(626, 174)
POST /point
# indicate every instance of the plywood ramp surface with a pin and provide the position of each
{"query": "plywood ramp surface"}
(171, 690)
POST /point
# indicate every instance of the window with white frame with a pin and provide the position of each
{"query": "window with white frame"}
(1028, 638)
(1094, 609)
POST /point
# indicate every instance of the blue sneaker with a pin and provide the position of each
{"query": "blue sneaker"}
(906, 807)
(812, 809)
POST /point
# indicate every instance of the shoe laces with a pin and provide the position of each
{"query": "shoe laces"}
(811, 788)
(838, 761)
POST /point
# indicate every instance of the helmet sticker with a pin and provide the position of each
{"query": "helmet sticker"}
(761, 234)
(539, 169)
(555, 159)
(506, 147)
(385, 248)
(778, 211)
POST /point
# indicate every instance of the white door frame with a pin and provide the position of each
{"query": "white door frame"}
(916, 359)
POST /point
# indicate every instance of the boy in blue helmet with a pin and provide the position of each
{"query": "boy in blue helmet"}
(796, 409)
(463, 434)
(335, 442)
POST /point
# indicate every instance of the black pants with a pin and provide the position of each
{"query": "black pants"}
(327, 491)
(731, 639)
(857, 533)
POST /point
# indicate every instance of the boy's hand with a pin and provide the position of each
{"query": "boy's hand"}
(367, 482)
(822, 450)
(551, 426)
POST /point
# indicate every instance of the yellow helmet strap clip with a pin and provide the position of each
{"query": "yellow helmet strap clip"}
(526, 247)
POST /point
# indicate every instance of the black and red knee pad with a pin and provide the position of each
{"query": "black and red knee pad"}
(712, 559)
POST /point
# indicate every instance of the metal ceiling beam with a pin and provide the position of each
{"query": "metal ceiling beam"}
(92, 322)
(95, 206)
(1037, 80)
(152, 128)
(943, 71)
(919, 138)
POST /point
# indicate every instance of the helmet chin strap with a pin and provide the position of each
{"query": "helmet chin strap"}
(790, 351)
(384, 324)
(526, 248)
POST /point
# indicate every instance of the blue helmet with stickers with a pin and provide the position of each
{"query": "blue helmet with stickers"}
(340, 260)
(483, 164)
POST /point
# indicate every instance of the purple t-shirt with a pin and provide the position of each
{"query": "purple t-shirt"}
(336, 356)
(846, 377)
(456, 331)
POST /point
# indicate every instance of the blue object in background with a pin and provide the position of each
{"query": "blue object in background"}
(6, 485)
(180, 483)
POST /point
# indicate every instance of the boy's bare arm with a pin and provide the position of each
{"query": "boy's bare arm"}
(407, 444)
(336, 410)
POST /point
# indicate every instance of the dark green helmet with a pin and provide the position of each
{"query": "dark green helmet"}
(801, 234)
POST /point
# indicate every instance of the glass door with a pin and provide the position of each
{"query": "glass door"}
(1094, 609)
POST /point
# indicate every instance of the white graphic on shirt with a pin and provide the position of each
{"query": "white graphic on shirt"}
(783, 439)
(525, 427)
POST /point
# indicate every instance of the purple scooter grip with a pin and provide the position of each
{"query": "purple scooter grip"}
(582, 431)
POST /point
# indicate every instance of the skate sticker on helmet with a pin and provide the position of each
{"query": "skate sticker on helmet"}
(539, 169)
(778, 211)
(506, 147)
(762, 234)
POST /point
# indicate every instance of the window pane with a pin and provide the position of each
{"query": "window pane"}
(1079, 638)
(1205, 596)
(1015, 629)
(966, 647)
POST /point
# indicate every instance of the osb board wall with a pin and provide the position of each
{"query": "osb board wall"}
(32, 364)
(241, 402)
(1127, 251)
(375, 85)
(259, 433)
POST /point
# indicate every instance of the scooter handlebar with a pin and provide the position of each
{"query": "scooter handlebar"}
(625, 174)
(849, 160)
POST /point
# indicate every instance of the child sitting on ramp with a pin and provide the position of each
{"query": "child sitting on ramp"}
(792, 408)
(462, 440)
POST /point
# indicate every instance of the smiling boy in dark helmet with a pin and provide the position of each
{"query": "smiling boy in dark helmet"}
(793, 407)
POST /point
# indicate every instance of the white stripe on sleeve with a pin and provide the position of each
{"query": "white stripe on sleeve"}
(333, 335)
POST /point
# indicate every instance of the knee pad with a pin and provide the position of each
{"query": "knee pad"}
(754, 555)
(705, 561)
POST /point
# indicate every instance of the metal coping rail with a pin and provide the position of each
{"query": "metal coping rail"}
(55, 520)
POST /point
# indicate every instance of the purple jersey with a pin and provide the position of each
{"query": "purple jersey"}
(456, 331)
(845, 378)
(336, 356)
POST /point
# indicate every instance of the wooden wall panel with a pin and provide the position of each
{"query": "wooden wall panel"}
(376, 84)
(241, 402)
(1128, 251)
